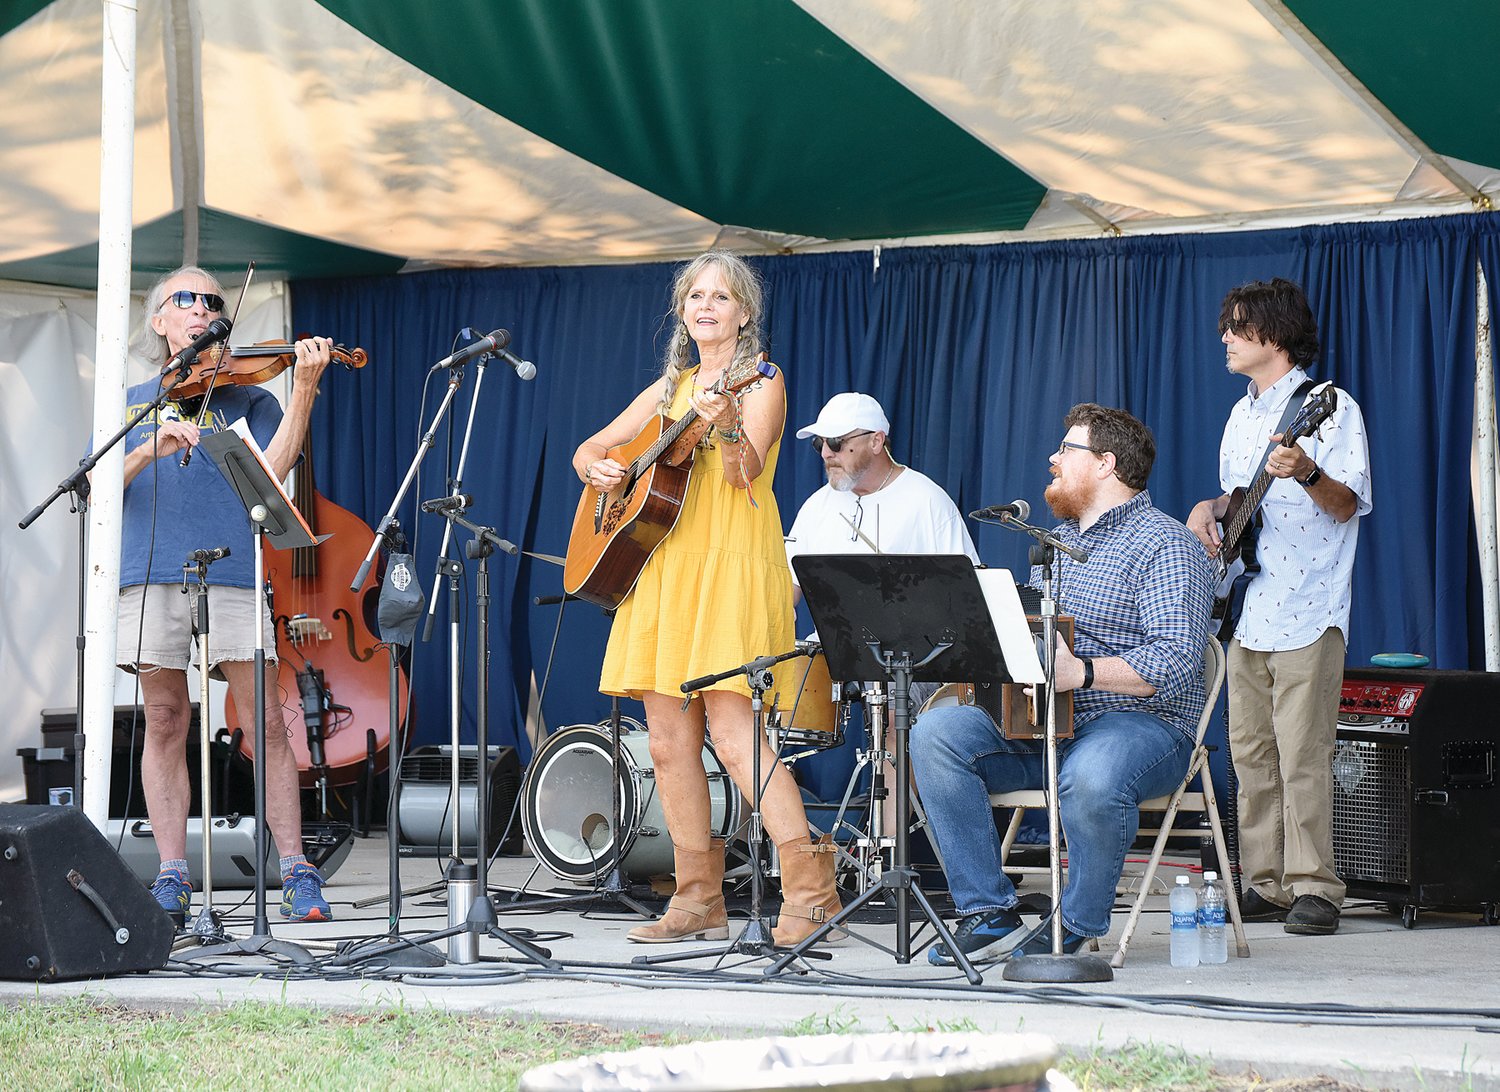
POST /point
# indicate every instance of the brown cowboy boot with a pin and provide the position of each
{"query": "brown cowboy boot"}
(697, 911)
(809, 896)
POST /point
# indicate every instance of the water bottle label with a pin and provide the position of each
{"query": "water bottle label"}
(1211, 916)
(1183, 919)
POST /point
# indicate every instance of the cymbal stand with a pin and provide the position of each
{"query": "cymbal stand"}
(755, 938)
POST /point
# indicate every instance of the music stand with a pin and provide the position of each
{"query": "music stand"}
(905, 618)
(272, 514)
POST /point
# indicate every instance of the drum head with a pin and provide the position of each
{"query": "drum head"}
(565, 801)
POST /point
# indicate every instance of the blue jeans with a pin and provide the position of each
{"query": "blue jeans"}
(1112, 763)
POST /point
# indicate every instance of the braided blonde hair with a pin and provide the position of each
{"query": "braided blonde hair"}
(744, 285)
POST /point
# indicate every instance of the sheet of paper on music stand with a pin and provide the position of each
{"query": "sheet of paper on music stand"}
(245, 468)
(1011, 626)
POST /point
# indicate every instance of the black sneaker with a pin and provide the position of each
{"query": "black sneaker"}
(1255, 908)
(1041, 944)
(982, 937)
(1312, 915)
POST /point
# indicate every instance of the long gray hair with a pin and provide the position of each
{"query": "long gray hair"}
(744, 285)
(148, 342)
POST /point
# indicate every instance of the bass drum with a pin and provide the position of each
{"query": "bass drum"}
(565, 805)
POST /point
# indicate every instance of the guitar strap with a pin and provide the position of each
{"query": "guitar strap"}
(1293, 404)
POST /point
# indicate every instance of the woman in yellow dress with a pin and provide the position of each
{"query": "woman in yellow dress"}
(716, 593)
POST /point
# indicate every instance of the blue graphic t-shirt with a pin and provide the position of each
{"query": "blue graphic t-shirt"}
(172, 510)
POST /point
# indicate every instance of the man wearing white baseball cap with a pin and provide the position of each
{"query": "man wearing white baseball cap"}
(871, 504)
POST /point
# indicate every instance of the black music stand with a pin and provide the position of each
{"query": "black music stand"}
(905, 618)
(272, 515)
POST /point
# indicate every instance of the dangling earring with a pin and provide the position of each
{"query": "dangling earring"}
(682, 337)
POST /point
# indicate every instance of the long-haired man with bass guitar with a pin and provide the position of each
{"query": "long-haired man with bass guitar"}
(711, 591)
(1295, 467)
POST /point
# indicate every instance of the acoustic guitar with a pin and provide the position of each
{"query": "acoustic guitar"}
(1237, 565)
(1016, 714)
(615, 533)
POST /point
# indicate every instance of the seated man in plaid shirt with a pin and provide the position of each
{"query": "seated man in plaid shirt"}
(1140, 607)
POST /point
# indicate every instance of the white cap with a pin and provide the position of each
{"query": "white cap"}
(1181, 880)
(846, 413)
(1210, 876)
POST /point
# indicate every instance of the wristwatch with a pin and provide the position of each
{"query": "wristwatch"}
(1312, 478)
(1088, 676)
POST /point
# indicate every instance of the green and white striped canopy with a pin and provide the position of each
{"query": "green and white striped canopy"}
(335, 137)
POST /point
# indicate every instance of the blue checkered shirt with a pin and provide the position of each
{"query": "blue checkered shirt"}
(1144, 595)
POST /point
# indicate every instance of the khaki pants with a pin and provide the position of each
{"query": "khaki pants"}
(1283, 718)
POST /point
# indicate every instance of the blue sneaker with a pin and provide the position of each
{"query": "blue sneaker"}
(302, 895)
(983, 938)
(1041, 944)
(174, 893)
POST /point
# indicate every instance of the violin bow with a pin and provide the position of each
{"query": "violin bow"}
(187, 455)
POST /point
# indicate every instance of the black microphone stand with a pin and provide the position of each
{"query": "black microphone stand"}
(78, 486)
(755, 938)
(1057, 965)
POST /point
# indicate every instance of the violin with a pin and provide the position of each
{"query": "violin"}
(251, 365)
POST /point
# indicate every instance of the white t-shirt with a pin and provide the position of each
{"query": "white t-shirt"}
(911, 515)
(1306, 557)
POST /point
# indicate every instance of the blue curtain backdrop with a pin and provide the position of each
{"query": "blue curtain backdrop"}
(976, 353)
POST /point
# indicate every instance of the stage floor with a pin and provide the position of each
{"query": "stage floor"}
(1376, 1004)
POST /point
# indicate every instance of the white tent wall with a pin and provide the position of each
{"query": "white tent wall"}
(47, 341)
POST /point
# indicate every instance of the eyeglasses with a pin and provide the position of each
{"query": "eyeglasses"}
(836, 443)
(1239, 327)
(1062, 448)
(184, 299)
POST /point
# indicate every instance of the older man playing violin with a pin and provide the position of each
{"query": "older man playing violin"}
(170, 511)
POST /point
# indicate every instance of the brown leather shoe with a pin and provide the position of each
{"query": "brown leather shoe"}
(1312, 915)
(809, 894)
(1253, 907)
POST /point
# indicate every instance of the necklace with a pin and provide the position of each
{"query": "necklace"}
(885, 480)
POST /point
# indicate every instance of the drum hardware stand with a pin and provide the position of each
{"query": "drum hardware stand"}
(1057, 965)
(872, 611)
(77, 485)
(755, 938)
(207, 926)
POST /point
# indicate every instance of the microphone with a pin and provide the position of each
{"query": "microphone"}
(456, 503)
(524, 369)
(217, 330)
(493, 342)
(1016, 509)
(209, 555)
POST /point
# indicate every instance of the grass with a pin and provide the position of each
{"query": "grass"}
(85, 1044)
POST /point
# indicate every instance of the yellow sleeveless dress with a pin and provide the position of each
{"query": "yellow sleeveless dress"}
(715, 594)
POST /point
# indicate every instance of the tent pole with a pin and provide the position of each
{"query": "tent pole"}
(1484, 442)
(116, 174)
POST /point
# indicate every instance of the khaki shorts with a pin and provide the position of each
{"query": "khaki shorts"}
(169, 638)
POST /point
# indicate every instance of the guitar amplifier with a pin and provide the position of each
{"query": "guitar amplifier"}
(1416, 805)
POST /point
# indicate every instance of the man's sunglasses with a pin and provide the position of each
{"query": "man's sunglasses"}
(836, 443)
(184, 299)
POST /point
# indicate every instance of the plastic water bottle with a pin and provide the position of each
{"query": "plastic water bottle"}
(1184, 904)
(1213, 946)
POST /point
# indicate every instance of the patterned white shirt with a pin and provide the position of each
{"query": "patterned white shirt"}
(1306, 556)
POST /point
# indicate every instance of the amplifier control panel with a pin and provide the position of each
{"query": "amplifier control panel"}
(1363, 698)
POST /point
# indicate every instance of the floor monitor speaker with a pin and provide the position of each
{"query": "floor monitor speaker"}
(69, 906)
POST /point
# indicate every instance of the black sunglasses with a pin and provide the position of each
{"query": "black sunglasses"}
(184, 299)
(836, 443)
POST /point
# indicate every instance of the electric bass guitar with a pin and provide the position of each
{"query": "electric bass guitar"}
(1237, 565)
(615, 533)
